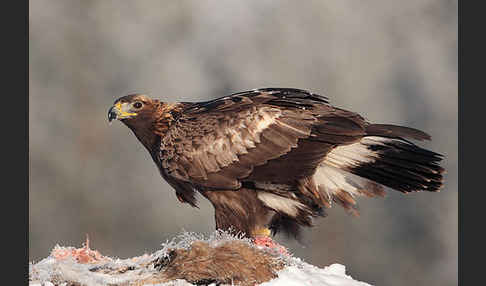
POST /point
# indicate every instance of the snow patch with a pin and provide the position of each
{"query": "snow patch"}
(55, 271)
(307, 274)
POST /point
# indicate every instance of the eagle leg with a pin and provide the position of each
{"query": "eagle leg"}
(264, 232)
(240, 212)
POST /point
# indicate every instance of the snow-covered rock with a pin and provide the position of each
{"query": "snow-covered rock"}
(220, 258)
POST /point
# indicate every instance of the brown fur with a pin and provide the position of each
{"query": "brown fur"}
(234, 263)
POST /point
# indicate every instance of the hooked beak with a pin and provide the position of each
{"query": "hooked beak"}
(112, 114)
(120, 111)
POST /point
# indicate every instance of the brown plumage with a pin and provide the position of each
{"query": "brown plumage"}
(276, 157)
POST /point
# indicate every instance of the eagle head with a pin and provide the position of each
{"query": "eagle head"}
(146, 117)
(133, 109)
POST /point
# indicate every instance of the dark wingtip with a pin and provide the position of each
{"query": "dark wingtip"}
(388, 130)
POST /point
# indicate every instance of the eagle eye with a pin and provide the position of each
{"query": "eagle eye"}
(137, 105)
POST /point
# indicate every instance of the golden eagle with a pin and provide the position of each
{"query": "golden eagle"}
(274, 158)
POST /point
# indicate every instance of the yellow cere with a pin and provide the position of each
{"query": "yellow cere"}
(122, 113)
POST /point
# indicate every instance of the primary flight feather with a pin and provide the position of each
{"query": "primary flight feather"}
(276, 157)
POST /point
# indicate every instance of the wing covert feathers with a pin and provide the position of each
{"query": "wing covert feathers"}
(218, 143)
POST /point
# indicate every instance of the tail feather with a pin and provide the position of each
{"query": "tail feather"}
(388, 130)
(341, 187)
(382, 158)
(395, 163)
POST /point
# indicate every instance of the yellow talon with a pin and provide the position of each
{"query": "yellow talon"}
(261, 232)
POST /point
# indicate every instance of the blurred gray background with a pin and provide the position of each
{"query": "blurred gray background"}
(391, 61)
